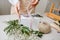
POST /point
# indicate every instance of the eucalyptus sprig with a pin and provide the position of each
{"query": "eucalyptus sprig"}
(14, 26)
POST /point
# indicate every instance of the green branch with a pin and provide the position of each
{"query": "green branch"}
(15, 26)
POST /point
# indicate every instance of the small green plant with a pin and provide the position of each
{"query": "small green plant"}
(14, 26)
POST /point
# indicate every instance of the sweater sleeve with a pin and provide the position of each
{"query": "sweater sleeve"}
(13, 2)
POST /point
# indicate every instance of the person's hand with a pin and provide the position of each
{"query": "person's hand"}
(17, 9)
(33, 4)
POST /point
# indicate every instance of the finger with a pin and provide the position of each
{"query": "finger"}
(34, 2)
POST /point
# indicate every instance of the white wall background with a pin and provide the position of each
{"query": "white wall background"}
(4, 7)
(42, 6)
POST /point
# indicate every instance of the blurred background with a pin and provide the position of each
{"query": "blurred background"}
(43, 6)
(5, 6)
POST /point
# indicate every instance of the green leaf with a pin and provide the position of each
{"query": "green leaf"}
(10, 29)
(25, 30)
(7, 28)
(39, 34)
(14, 25)
(14, 22)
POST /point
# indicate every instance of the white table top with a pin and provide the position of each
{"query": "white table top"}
(51, 36)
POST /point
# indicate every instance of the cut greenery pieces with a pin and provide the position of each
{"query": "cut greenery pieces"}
(37, 15)
(14, 27)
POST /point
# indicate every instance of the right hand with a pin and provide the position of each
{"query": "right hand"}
(17, 9)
